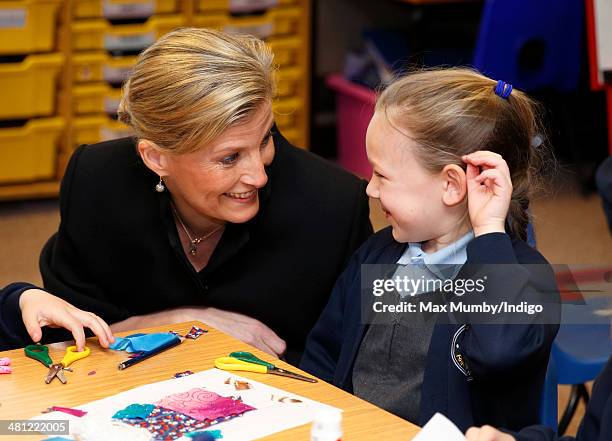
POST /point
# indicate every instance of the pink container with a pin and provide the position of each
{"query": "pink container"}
(354, 109)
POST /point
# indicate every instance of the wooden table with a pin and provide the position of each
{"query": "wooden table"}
(23, 394)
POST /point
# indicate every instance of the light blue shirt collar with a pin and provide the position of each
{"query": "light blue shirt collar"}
(453, 254)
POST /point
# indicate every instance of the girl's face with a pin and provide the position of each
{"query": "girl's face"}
(221, 181)
(410, 195)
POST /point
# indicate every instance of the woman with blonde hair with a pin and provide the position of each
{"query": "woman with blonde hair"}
(207, 213)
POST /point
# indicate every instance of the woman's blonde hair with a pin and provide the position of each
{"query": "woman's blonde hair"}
(193, 84)
(455, 111)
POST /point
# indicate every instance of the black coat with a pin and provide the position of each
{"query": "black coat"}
(117, 251)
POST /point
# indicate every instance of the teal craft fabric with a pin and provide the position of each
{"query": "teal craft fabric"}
(207, 435)
(142, 342)
(135, 411)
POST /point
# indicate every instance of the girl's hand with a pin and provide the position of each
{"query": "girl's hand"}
(39, 308)
(487, 433)
(489, 191)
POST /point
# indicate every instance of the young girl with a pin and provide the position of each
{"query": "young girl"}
(454, 161)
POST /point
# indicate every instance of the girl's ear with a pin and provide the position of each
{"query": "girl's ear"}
(153, 157)
(454, 184)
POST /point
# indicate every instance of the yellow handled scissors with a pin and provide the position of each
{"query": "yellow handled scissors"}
(245, 361)
(41, 353)
(57, 369)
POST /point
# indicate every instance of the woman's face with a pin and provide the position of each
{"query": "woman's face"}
(220, 181)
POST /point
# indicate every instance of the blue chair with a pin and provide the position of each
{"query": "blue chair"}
(581, 350)
(549, 405)
(531, 44)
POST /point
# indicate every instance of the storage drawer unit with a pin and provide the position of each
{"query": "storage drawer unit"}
(29, 153)
(290, 82)
(240, 6)
(99, 34)
(95, 98)
(294, 137)
(97, 128)
(123, 9)
(275, 22)
(100, 66)
(29, 88)
(288, 113)
(28, 26)
(286, 50)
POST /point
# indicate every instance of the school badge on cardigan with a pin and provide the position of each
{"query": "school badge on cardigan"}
(456, 356)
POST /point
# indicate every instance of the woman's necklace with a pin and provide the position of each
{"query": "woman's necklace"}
(193, 241)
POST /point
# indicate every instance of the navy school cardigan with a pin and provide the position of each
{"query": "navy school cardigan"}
(499, 380)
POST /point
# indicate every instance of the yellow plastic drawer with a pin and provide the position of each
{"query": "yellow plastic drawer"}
(29, 153)
(240, 6)
(99, 34)
(100, 66)
(121, 9)
(28, 26)
(274, 22)
(289, 113)
(290, 82)
(29, 87)
(286, 50)
(95, 98)
(97, 128)
(296, 137)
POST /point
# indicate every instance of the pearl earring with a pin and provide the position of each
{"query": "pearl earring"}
(160, 187)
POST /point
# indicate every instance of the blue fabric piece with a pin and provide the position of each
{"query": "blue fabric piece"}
(142, 342)
(135, 411)
(58, 438)
(207, 435)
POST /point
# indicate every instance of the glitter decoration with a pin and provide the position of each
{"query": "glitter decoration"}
(195, 332)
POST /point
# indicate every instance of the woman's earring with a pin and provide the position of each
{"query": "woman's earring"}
(160, 187)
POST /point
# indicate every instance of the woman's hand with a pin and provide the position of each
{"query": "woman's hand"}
(239, 326)
(487, 433)
(243, 328)
(489, 191)
(39, 308)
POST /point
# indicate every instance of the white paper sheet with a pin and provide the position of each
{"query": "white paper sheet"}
(439, 428)
(270, 416)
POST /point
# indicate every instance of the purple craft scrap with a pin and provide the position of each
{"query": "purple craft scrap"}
(183, 374)
(196, 332)
(193, 333)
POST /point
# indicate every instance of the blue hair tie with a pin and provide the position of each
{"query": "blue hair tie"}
(503, 89)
